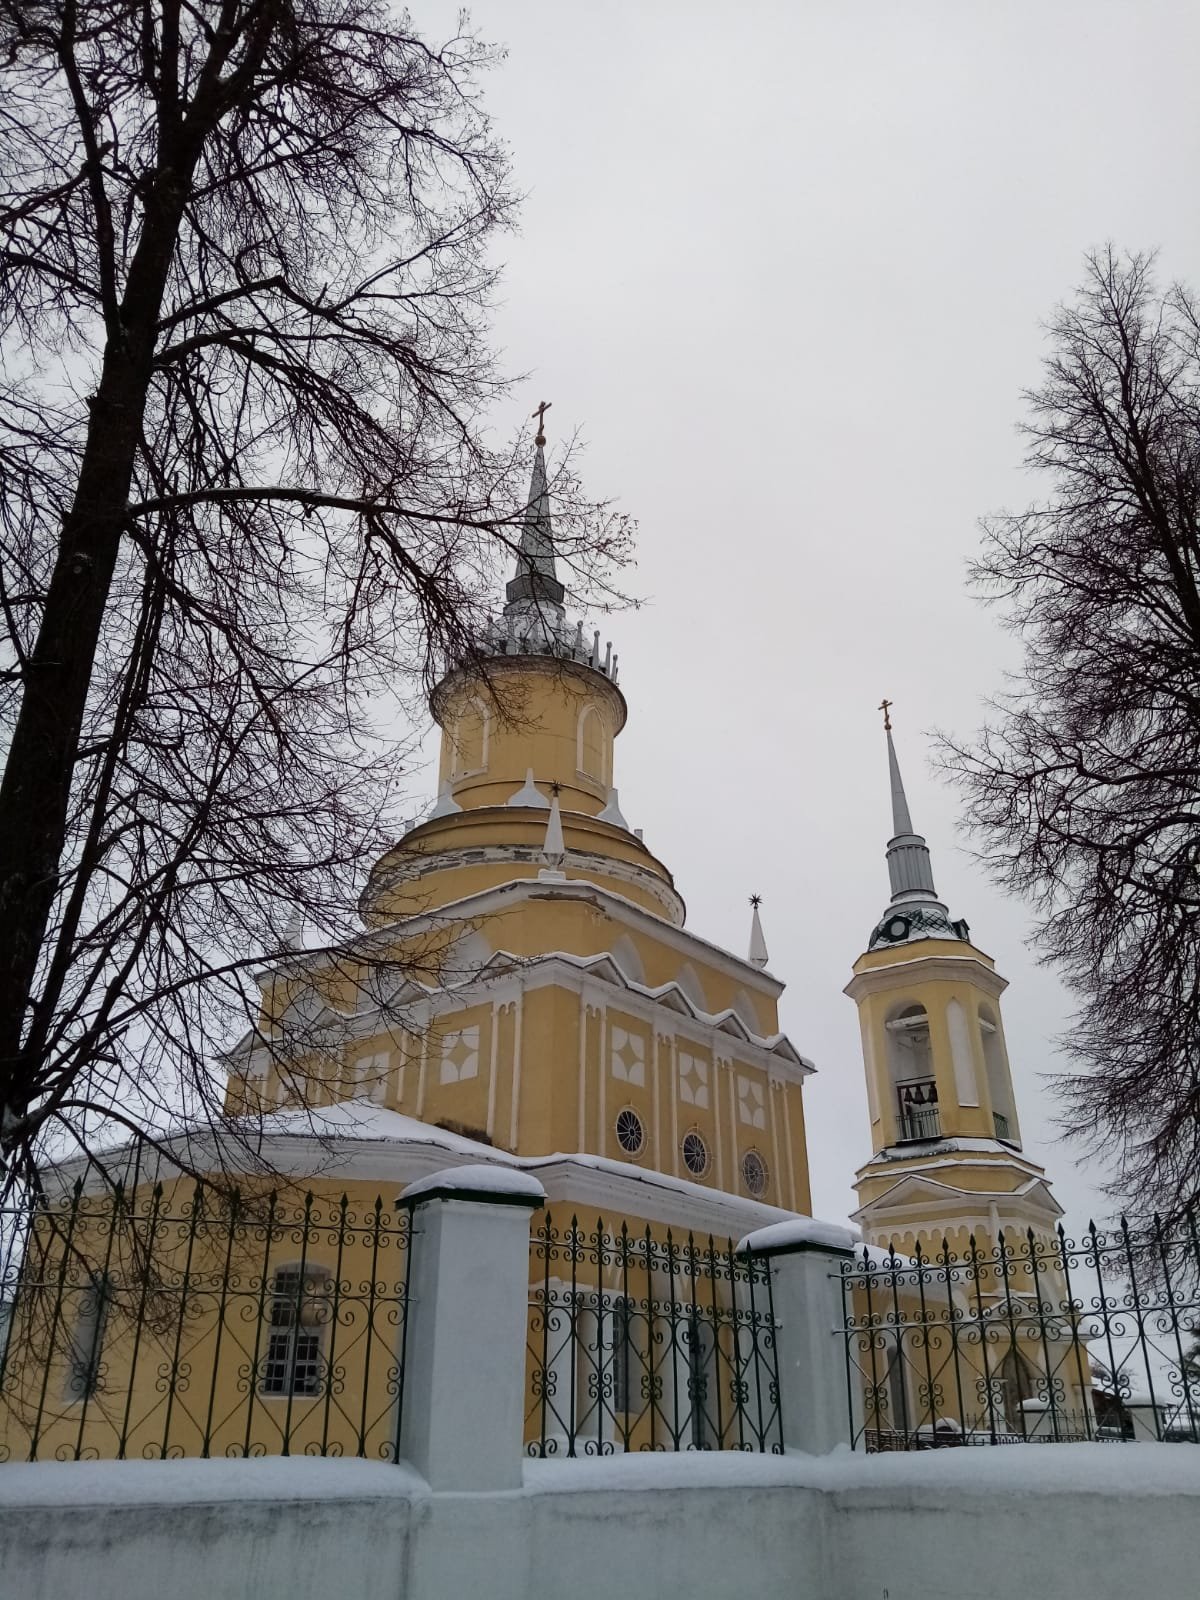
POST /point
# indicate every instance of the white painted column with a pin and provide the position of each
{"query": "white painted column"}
(805, 1260)
(464, 1378)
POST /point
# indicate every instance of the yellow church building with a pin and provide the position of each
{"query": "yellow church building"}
(527, 1001)
(526, 997)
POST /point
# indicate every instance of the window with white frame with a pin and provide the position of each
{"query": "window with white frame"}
(300, 1309)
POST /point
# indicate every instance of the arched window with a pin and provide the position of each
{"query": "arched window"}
(999, 1083)
(589, 745)
(470, 740)
(910, 1066)
(299, 1310)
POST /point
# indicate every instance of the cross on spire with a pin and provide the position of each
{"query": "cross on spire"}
(886, 706)
(540, 414)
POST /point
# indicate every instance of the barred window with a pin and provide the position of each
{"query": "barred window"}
(87, 1338)
(631, 1136)
(299, 1310)
(695, 1154)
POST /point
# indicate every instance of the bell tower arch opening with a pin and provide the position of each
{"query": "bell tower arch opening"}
(910, 1072)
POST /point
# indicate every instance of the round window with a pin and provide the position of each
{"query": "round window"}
(695, 1154)
(631, 1136)
(754, 1173)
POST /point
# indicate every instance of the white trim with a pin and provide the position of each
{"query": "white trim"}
(973, 969)
(655, 1089)
(423, 1070)
(492, 1066)
(621, 910)
(674, 1105)
(602, 1130)
(584, 1008)
(791, 1158)
(518, 1022)
(715, 1102)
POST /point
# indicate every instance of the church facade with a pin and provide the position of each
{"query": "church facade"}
(527, 998)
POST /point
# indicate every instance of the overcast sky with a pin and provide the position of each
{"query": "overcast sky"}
(785, 267)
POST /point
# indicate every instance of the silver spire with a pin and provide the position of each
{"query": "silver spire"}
(915, 912)
(535, 578)
(909, 864)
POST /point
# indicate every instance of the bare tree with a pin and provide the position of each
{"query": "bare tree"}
(248, 506)
(1084, 789)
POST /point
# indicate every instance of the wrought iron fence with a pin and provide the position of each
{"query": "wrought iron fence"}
(185, 1322)
(640, 1343)
(1040, 1339)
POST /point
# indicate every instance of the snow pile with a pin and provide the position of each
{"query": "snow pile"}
(478, 1180)
(797, 1234)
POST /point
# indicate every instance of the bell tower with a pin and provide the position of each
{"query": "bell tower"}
(947, 1157)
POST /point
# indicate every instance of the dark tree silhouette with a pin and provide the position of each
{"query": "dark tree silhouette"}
(1084, 789)
(248, 505)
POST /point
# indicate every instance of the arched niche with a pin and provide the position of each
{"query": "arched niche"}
(999, 1082)
(962, 1057)
(469, 739)
(625, 953)
(590, 746)
(745, 1009)
(689, 981)
(464, 958)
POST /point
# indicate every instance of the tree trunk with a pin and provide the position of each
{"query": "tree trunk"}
(35, 794)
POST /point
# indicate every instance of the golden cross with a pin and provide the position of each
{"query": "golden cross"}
(887, 721)
(540, 414)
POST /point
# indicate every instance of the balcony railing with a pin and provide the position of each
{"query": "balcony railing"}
(919, 1117)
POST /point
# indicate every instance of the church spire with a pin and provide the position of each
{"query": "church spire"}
(914, 912)
(535, 578)
(910, 867)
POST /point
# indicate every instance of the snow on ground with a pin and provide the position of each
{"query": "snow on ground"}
(1130, 1470)
(1135, 1471)
(172, 1482)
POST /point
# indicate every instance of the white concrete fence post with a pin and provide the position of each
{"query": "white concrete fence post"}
(805, 1261)
(464, 1379)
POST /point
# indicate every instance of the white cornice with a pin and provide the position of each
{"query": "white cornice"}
(588, 1184)
(502, 895)
(919, 969)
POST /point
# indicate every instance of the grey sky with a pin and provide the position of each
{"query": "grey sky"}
(784, 265)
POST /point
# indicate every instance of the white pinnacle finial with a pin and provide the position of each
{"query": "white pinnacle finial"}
(758, 945)
(446, 805)
(612, 812)
(528, 794)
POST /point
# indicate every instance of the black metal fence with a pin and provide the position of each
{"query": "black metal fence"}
(1039, 1338)
(640, 1343)
(188, 1323)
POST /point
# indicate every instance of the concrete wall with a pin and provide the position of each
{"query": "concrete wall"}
(1095, 1521)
